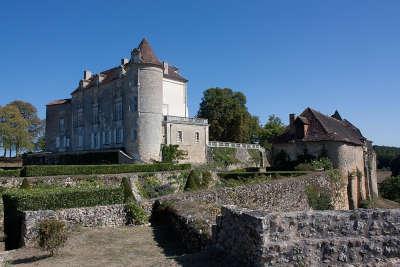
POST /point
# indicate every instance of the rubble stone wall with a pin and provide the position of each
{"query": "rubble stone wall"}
(112, 215)
(308, 238)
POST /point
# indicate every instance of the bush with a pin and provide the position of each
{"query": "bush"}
(304, 167)
(322, 164)
(126, 187)
(47, 170)
(172, 153)
(151, 187)
(52, 235)
(135, 214)
(25, 184)
(198, 180)
(224, 156)
(16, 201)
(10, 173)
(390, 188)
(317, 199)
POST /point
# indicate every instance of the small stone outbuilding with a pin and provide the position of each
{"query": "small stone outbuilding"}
(315, 134)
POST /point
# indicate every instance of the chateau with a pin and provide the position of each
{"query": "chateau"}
(135, 107)
(317, 135)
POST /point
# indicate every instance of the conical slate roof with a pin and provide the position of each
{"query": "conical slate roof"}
(147, 54)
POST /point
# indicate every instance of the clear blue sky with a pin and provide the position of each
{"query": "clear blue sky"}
(284, 55)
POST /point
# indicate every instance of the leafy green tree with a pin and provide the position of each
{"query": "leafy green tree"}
(13, 130)
(273, 128)
(172, 153)
(227, 115)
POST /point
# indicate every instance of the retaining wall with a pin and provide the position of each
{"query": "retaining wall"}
(308, 238)
(112, 215)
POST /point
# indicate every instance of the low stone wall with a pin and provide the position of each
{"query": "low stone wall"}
(311, 238)
(286, 194)
(112, 215)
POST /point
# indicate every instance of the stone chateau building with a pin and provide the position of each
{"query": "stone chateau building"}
(315, 134)
(135, 107)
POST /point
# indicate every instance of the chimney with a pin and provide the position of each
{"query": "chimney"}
(165, 65)
(292, 117)
(124, 61)
(87, 74)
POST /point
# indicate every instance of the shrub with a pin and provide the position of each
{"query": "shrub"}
(151, 187)
(304, 167)
(390, 188)
(135, 214)
(25, 184)
(322, 164)
(18, 200)
(126, 187)
(193, 182)
(317, 199)
(47, 170)
(206, 179)
(10, 173)
(52, 235)
(224, 156)
(172, 153)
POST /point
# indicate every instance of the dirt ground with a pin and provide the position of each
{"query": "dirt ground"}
(125, 246)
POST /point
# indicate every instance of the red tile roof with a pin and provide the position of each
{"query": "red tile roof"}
(323, 128)
(147, 57)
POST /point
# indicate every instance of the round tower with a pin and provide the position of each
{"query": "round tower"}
(150, 100)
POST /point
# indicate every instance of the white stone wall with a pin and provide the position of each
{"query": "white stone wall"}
(174, 98)
(150, 113)
(348, 159)
(197, 151)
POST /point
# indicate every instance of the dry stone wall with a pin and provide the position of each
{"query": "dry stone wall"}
(112, 215)
(308, 238)
(286, 194)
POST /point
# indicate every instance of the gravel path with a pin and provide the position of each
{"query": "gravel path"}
(125, 246)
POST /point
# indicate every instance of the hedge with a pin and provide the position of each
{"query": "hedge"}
(10, 173)
(18, 200)
(47, 170)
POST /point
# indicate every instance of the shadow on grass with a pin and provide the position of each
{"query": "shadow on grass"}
(29, 259)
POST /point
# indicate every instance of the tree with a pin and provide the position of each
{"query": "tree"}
(273, 128)
(227, 115)
(13, 130)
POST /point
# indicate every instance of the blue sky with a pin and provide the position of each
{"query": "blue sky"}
(284, 55)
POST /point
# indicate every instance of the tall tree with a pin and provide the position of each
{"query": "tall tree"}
(227, 115)
(272, 128)
(13, 130)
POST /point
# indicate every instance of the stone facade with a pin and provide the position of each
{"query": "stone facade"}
(112, 215)
(312, 238)
(314, 134)
(124, 108)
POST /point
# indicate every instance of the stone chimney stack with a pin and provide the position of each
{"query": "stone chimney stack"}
(292, 117)
(165, 65)
(87, 74)
(124, 61)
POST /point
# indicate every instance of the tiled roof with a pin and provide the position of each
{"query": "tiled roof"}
(147, 57)
(174, 75)
(147, 54)
(59, 102)
(323, 128)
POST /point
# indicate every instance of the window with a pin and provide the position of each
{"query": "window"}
(179, 137)
(95, 140)
(196, 137)
(80, 117)
(67, 142)
(80, 139)
(118, 111)
(61, 124)
(95, 114)
(57, 142)
(120, 135)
